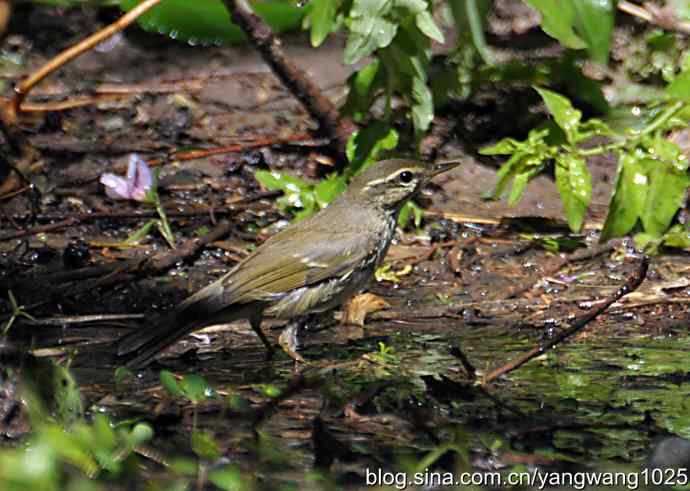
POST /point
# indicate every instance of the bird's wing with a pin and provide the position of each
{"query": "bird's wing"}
(286, 261)
(284, 267)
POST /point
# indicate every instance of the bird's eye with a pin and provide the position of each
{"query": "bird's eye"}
(406, 177)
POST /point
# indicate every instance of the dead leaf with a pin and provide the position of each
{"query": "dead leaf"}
(358, 307)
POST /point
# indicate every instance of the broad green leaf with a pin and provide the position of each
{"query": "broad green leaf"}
(680, 87)
(422, 105)
(194, 387)
(558, 20)
(322, 19)
(594, 24)
(169, 382)
(364, 87)
(527, 156)
(678, 236)
(629, 197)
(667, 151)
(667, 188)
(575, 187)
(329, 189)
(141, 433)
(280, 181)
(204, 445)
(579, 24)
(425, 23)
(566, 116)
(122, 373)
(369, 29)
(227, 478)
(413, 211)
(519, 184)
(411, 6)
(366, 145)
(470, 16)
(208, 22)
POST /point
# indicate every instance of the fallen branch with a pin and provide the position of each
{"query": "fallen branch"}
(315, 102)
(129, 215)
(663, 17)
(577, 324)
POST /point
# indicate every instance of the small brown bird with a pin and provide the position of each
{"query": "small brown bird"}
(309, 267)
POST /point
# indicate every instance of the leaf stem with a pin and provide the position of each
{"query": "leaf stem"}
(662, 119)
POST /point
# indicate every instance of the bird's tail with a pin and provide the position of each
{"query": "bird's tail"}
(139, 348)
(202, 309)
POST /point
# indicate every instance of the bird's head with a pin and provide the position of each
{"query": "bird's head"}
(390, 183)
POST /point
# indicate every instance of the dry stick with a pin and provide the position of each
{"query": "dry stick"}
(319, 106)
(576, 326)
(69, 54)
(662, 17)
(108, 215)
(136, 269)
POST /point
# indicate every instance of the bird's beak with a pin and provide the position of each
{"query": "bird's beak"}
(441, 167)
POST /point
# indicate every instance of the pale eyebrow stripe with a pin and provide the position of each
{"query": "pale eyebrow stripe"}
(390, 177)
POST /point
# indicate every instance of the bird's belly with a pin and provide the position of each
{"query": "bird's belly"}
(318, 298)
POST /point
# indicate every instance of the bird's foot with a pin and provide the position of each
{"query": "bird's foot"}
(289, 341)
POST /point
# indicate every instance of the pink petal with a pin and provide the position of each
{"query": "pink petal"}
(142, 178)
(115, 186)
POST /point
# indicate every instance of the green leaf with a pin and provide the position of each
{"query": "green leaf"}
(629, 197)
(566, 116)
(122, 373)
(504, 147)
(579, 24)
(470, 16)
(667, 187)
(680, 87)
(678, 236)
(169, 382)
(558, 20)
(575, 187)
(204, 445)
(410, 210)
(194, 387)
(594, 23)
(280, 181)
(519, 184)
(366, 145)
(329, 189)
(238, 403)
(322, 18)
(208, 22)
(425, 23)
(422, 105)
(369, 30)
(141, 433)
(227, 478)
(364, 87)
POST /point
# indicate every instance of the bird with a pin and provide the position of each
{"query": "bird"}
(307, 268)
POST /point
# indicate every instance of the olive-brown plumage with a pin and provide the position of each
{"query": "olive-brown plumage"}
(308, 267)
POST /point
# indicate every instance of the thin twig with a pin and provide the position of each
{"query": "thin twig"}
(127, 215)
(576, 326)
(12, 110)
(662, 17)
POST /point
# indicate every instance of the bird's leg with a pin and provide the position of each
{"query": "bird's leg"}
(255, 322)
(289, 339)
